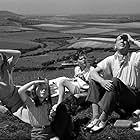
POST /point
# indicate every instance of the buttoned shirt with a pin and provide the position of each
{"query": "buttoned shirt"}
(127, 68)
(38, 116)
(85, 72)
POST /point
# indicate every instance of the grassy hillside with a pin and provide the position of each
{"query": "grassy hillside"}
(44, 48)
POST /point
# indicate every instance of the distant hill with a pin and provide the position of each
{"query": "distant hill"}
(4, 18)
(5, 14)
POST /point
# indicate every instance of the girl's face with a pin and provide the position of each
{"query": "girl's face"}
(42, 91)
(82, 60)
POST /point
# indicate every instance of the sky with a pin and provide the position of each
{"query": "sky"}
(67, 7)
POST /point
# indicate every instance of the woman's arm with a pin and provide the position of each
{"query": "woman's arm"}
(22, 90)
(12, 54)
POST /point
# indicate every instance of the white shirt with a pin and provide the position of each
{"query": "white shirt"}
(128, 72)
(85, 72)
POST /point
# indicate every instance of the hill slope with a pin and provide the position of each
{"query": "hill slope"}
(4, 15)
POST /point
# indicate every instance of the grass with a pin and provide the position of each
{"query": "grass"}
(13, 129)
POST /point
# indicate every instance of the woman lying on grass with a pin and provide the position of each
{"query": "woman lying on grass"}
(38, 108)
(80, 83)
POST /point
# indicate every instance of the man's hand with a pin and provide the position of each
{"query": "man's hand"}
(130, 39)
(107, 84)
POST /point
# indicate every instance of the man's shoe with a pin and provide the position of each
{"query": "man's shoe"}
(54, 138)
(99, 125)
(91, 124)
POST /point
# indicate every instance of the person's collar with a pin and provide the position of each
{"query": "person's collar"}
(46, 100)
(123, 59)
(118, 55)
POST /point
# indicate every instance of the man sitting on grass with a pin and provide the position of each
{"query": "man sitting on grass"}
(116, 83)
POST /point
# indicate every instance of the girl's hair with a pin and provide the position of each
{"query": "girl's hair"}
(36, 98)
(79, 53)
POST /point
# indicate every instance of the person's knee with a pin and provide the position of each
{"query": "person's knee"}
(76, 90)
(94, 86)
(63, 82)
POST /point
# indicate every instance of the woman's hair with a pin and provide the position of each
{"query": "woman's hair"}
(79, 53)
(4, 58)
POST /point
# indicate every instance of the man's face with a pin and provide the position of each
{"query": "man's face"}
(122, 43)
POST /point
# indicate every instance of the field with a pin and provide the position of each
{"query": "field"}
(47, 41)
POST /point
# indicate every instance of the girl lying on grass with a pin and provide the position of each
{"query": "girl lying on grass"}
(38, 104)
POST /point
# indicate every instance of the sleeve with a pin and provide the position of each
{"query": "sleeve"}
(105, 66)
(104, 63)
(137, 59)
(29, 102)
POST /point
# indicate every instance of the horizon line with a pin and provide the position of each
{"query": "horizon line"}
(70, 14)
